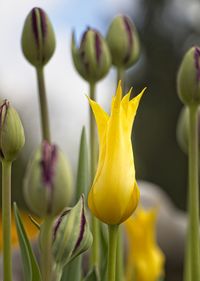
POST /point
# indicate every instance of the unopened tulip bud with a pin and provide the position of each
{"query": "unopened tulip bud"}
(189, 77)
(11, 132)
(92, 59)
(38, 39)
(123, 41)
(47, 185)
(72, 235)
(182, 129)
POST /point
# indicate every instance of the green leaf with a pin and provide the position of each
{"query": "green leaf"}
(73, 270)
(92, 275)
(83, 167)
(30, 265)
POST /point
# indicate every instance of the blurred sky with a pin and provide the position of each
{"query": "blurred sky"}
(65, 88)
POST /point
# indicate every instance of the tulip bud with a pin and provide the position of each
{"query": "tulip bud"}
(92, 59)
(72, 235)
(47, 185)
(38, 39)
(123, 41)
(182, 129)
(11, 132)
(189, 77)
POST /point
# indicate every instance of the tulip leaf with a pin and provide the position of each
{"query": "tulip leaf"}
(30, 265)
(73, 270)
(83, 167)
(92, 275)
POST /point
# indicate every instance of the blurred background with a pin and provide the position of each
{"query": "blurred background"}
(167, 28)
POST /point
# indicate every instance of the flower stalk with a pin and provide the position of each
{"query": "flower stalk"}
(6, 219)
(45, 126)
(93, 165)
(194, 194)
(112, 252)
(121, 76)
(46, 253)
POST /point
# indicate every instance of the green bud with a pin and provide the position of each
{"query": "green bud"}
(188, 79)
(72, 235)
(11, 132)
(38, 39)
(47, 184)
(92, 59)
(123, 41)
(183, 129)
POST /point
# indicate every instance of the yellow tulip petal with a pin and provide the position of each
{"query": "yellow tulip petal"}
(125, 100)
(114, 194)
(133, 106)
(101, 118)
(118, 95)
(132, 204)
(144, 254)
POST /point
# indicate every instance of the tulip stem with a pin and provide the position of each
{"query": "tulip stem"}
(43, 105)
(194, 244)
(93, 164)
(121, 76)
(112, 252)
(6, 220)
(187, 268)
(46, 251)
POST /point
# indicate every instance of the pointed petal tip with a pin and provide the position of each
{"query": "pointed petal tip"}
(118, 94)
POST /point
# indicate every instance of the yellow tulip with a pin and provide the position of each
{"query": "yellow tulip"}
(145, 261)
(114, 194)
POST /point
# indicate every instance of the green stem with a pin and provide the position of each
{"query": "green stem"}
(187, 269)
(6, 220)
(43, 105)
(112, 252)
(194, 195)
(93, 165)
(120, 257)
(120, 248)
(46, 253)
(121, 76)
(57, 273)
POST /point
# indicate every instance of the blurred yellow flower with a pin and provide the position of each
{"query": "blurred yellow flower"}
(30, 228)
(145, 261)
(114, 194)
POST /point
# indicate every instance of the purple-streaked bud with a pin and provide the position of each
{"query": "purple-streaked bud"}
(38, 39)
(71, 234)
(122, 39)
(188, 80)
(48, 163)
(11, 132)
(197, 62)
(47, 185)
(92, 59)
